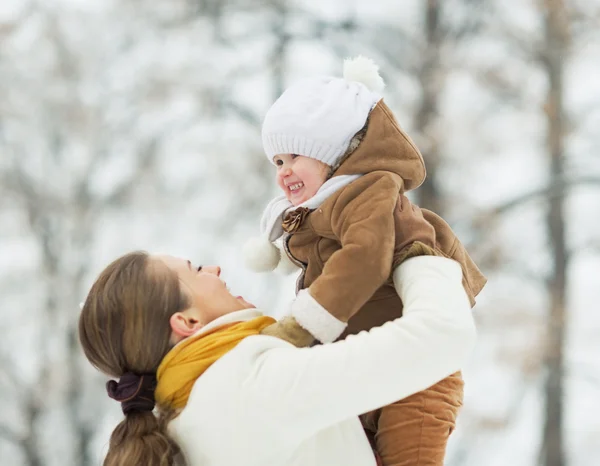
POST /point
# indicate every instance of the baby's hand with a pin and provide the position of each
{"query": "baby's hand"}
(289, 330)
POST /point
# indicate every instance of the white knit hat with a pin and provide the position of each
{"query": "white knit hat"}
(318, 117)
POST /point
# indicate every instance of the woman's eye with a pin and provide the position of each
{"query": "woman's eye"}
(294, 155)
(199, 268)
(279, 163)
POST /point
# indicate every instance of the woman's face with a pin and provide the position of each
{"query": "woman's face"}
(208, 293)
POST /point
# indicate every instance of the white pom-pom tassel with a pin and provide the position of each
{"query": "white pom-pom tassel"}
(286, 266)
(365, 71)
(260, 255)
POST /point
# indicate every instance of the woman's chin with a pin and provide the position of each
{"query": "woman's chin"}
(245, 303)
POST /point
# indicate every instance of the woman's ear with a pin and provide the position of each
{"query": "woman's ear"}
(184, 325)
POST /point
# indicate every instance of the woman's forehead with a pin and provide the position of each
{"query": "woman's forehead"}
(177, 263)
(171, 261)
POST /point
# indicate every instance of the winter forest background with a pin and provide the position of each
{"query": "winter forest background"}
(135, 124)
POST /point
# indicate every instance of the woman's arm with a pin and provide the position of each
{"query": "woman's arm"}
(309, 389)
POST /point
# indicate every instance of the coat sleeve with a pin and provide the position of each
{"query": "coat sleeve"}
(308, 389)
(363, 221)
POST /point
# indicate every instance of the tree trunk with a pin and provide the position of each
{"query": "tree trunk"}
(427, 114)
(553, 448)
(280, 51)
(30, 444)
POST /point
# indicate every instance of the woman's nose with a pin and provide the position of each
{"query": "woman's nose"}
(285, 171)
(214, 269)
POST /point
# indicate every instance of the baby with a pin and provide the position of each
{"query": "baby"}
(344, 164)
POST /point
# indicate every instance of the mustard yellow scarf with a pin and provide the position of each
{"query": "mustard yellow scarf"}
(189, 359)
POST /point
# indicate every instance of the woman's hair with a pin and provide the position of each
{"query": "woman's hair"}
(124, 327)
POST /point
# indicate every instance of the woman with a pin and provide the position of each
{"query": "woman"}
(226, 395)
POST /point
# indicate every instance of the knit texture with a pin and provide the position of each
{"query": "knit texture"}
(317, 117)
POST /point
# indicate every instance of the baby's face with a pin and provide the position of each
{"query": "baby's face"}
(299, 177)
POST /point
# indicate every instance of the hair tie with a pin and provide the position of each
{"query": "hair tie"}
(134, 392)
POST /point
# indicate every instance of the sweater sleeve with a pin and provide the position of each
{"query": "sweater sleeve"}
(309, 389)
(363, 222)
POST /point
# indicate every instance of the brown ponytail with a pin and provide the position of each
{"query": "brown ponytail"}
(124, 327)
(141, 438)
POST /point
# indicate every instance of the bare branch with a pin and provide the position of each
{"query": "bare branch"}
(549, 192)
(394, 45)
(483, 219)
(468, 25)
(9, 435)
(585, 24)
(145, 160)
(320, 27)
(9, 377)
(589, 109)
(7, 28)
(245, 113)
(522, 42)
(505, 86)
(591, 246)
(587, 374)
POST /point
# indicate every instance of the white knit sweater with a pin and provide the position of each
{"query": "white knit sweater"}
(267, 403)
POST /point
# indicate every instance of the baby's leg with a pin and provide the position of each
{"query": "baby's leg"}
(415, 431)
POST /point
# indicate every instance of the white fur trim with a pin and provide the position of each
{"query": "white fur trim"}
(363, 70)
(316, 319)
(260, 255)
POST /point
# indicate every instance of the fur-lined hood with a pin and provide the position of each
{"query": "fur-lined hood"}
(385, 146)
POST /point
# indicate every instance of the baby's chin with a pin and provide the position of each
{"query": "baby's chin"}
(296, 201)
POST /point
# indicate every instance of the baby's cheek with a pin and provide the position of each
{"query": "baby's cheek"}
(312, 191)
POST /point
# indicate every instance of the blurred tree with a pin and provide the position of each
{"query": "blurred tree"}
(56, 141)
(548, 49)
(145, 116)
(553, 57)
(104, 121)
(446, 26)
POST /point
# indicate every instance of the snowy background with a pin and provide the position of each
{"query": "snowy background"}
(135, 124)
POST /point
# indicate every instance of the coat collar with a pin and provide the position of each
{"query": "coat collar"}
(385, 147)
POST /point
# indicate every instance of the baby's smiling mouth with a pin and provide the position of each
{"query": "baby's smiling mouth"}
(295, 186)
